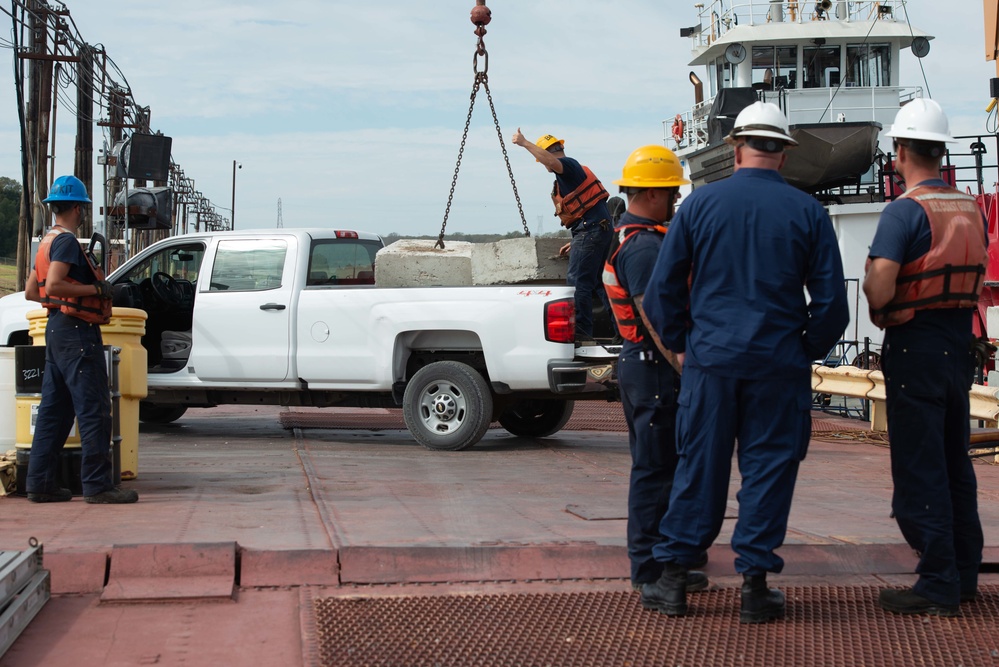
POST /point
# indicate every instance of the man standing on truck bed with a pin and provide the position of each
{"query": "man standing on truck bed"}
(924, 277)
(651, 179)
(581, 205)
(75, 384)
(728, 296)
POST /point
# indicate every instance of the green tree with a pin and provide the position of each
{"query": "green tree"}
(10, 212)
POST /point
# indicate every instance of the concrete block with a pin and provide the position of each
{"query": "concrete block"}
(417, 263)
(521, 260)
(992, 321)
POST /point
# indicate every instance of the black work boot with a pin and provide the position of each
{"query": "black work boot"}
(907, 601)
(668, 594)
(759, 603)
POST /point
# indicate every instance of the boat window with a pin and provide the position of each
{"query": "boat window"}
(821, 66)
(868, 65)
(723, 74)
(774, 67)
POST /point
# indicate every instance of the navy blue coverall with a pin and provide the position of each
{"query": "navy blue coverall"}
(928, 373)
(591, 236)
(75, 385)
(648, 388)
(753, 244)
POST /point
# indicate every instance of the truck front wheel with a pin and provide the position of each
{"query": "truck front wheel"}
(447, 406)
(536, 419)
(153, 413)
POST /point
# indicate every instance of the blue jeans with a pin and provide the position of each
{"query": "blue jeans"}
(935, 497)
(75, 385)
(587, 253)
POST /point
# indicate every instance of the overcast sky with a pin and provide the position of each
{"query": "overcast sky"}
(352, 112)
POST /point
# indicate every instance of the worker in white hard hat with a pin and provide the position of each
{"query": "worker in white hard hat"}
(924, 276)
(580, 201)
(726, 296)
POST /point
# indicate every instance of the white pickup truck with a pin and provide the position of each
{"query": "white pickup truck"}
(293, 317)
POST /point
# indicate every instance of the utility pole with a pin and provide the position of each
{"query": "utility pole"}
(84, 157)
(43, 114)
(280, 222)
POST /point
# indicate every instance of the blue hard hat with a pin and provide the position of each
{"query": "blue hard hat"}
(67, 188)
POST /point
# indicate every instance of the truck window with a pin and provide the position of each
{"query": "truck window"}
(248, 265)
(182, 262)
(342, 262)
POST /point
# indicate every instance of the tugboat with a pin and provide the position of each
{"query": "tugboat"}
(832, 66)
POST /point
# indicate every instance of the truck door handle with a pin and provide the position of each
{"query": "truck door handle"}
(273, 306)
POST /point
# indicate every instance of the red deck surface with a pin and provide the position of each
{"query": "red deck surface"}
(317, 513)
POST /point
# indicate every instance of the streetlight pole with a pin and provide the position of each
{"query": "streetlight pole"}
(233, 209)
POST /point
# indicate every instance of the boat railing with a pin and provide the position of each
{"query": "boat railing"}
(809, 105)
(719, 16)
(971, 165)
(824, 105)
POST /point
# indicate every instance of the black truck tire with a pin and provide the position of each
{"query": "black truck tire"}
(537, 419)
(447, 406)
(154, 413)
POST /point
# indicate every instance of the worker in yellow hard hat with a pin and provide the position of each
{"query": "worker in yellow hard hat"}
(581, 206)
(651, 180)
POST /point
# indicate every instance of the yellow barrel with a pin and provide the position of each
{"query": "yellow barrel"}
(125, 331)
(29, 366)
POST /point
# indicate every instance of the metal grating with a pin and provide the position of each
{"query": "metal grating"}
(587, 416)
(825, 625)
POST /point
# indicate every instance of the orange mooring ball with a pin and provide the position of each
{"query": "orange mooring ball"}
(481, 15)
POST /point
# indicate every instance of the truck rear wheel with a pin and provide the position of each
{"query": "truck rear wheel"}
(447, 406)
(537, 419)
(153, 413)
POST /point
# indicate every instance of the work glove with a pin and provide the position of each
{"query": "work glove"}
(103, 289)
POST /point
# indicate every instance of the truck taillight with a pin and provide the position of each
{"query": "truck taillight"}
(341, 234)
(560, 321)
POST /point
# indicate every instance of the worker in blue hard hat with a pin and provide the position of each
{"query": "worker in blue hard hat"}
(75, 384)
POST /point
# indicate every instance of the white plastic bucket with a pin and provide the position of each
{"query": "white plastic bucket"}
(8, 416)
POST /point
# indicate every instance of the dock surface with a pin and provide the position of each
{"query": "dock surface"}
(267, 535)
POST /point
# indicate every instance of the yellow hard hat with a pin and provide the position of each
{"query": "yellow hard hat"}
(652, 167)
(547, 141)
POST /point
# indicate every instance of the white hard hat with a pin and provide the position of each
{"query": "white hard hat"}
(921, 119)
(761, 119)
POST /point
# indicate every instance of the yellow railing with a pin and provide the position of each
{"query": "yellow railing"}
(860, 383)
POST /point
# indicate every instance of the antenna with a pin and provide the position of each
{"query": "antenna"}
(280, 223)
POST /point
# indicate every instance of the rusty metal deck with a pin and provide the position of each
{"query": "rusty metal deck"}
(825, 625)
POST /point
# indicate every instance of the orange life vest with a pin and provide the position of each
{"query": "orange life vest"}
(87, 308)
(629, 320)
(571, 207)
(950, 274)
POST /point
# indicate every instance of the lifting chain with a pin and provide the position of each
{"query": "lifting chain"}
(480, 17)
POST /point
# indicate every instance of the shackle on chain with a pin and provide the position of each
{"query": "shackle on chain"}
(481, 16)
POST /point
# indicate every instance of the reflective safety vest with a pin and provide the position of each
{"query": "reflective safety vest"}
(629, 320)
(950, 274)
(87, 308)
(571, 207)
